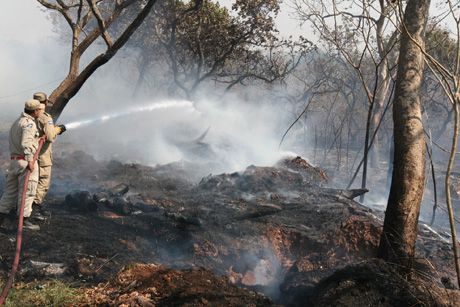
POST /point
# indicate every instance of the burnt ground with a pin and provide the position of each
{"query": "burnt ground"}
(154, 236)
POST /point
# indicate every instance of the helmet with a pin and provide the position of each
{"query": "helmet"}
(32, 105)
(41, 97)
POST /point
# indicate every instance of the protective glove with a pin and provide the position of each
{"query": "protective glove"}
(62, 128)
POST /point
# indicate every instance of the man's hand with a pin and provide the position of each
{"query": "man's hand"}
(62, 128)
(31, 165)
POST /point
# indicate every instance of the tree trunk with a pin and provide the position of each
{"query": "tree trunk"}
(397, 243)
(380, 98)
(384, 46)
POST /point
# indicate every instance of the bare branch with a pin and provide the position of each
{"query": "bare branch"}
(93, 35)
(101, 23)
(61, 8)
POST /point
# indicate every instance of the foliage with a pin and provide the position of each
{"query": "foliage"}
(440, 44)
(442, 47)
(197, 41)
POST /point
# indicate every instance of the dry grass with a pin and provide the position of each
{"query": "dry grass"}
(50, 293)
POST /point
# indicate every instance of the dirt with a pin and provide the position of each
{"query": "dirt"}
(156, 285)
(263, 236)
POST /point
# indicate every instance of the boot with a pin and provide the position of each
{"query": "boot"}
(39, 213)
(29, 225)
(44, 211)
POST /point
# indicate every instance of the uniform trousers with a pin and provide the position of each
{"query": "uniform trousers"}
(44, 181)
(14, 185)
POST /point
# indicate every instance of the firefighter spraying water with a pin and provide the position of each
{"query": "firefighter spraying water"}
(25, 145)
(47, 129)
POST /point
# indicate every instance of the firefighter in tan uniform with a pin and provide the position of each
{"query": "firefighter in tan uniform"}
(45, 127)
(23, 141)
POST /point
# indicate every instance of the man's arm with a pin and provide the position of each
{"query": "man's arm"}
(29, 142)
(51, 131)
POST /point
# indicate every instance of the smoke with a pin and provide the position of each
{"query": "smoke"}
(264, 271)
(27, 69)
(115, 123)
(233, 135)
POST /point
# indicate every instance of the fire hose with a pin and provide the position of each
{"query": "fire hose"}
(15, 265)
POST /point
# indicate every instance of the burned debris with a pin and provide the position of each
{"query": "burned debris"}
(110, 199)
(275, 230)
(81, 201)
(156, 285)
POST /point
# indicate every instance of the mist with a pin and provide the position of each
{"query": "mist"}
(240, 131)
(233, 134)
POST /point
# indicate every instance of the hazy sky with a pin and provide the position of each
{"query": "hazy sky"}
(23, 20)
(29, 58)
(24, 26)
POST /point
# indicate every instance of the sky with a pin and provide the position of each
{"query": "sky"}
(30, 57)
(23, 20)
(25, 26)
(26, 21)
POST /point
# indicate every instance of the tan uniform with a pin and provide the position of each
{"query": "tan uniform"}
(45, 127)
(23, 145)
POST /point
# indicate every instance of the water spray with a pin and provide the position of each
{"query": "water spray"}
(138, 109)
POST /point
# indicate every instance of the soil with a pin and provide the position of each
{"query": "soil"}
(134, 235)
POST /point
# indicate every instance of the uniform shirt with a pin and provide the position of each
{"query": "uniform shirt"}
(46, 127)
(24, 137)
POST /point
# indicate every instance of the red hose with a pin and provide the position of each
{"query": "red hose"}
(9, 283)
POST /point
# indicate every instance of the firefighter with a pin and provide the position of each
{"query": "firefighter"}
(45, 127)
(23, 141)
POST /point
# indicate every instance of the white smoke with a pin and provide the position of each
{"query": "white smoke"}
(167, 130)
(113, 125)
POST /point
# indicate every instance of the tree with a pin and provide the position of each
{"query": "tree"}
(213, 44)
(441, 47)
(326, 87)
(359, 35)
(88, 21)
(397, 243)
(196, 42)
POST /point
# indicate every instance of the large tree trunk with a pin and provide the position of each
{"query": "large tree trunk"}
(397, 243)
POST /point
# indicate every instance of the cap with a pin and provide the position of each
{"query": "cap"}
(32, 104)
(40, 96)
